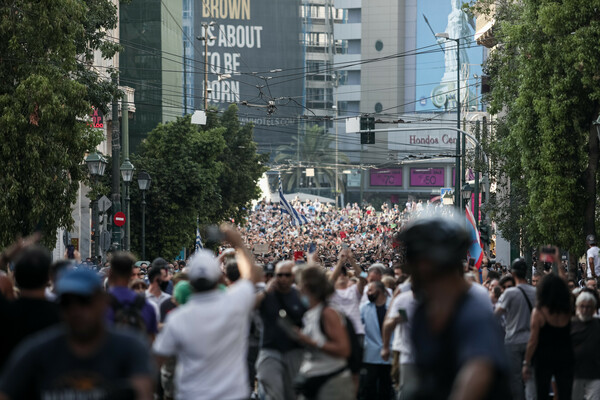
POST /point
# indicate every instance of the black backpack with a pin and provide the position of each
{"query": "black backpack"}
(356, 349)
(129, 314)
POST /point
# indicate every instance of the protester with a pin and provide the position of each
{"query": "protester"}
(516, 305)
(376, 379)
(128, 308)
(82, 358)
(400, 320)
(592, 257)
(585, 331)
(549, 346)
(31, 312)
(209, 335)
(157, 281)
(324, 367)
(458, 346)
(280, 357)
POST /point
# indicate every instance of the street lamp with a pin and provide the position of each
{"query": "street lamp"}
(144, 181)
(96, 164)
(466, 193)
(127, 169)
(457, 170)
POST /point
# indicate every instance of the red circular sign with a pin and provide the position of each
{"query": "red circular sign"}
(119, 219)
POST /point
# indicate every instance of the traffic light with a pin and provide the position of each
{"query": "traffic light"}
(484, 234)
(367, 138)
(367, 124)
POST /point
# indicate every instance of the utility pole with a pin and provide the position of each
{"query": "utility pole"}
(457, 195)
(336, 78)
(184, 79)
(116, 165)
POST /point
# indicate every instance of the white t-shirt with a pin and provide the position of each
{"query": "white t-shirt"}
(402, 342)
(347, 301)
(209, 336)
(593, 253)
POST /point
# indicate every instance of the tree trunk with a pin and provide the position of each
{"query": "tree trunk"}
(589, 214)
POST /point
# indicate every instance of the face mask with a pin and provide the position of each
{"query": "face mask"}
(305, 301)
(163, 285)
(372, 297)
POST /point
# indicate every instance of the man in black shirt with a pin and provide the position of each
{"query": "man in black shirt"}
(81, 359)
(31, 312)
(585, 331)
(280, 357)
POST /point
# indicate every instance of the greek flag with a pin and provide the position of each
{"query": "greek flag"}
(198, 237)
(297, 219)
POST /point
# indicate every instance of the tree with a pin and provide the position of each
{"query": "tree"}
(209, 173)
(315, 151)
(544, 79)
(46, 93)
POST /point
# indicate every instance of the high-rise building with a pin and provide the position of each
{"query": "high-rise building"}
(151, 62)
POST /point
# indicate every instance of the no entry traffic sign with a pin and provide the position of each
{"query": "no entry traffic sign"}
(119, 219)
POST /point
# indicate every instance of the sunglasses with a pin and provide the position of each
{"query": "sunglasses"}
(138, 287)
(284, 274)
(68, 300)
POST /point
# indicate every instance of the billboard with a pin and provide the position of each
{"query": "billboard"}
(252, 44)
(436, 59)
(427, 177)
(386, 177)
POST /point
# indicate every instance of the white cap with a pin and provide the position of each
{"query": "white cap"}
(203, 264)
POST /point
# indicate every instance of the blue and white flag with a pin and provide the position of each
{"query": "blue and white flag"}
(198, 237)
(297, 219)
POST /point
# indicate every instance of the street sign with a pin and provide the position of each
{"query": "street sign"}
(104, 204)
(119, 219)
(105, 240)
(443, 191)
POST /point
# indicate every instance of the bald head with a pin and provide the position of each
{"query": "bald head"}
(284, 276)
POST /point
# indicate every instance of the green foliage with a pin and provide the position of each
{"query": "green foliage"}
(46, 93)
(544, 79)
(315, 150)
(211, 173)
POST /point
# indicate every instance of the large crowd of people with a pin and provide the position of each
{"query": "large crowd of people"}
(356, 304)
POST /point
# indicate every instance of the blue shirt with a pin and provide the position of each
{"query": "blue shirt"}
(373, 339)
(126, 295)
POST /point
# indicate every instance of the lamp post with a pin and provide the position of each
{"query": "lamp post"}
(96, 165)
(127, 169)
(457, 167)
(466, 193)
(206, 38)
(144, 181)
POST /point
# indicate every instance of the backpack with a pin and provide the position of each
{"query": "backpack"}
(129, 314)
(356, 349)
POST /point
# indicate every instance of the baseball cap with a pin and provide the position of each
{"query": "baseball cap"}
(519, 265)
(204, 265)
(82, 282)
(590, 239)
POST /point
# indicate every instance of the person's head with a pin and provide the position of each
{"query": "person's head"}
(136, 273)
(58, 267)
(536, 277)
(269, 271)
(375, 272)
(32, 268)
(494, 283)
(585, 306)
(398, 271)
(82, 304)
(284, 275)
(553, 293)
(121, 271)
(204, 271)
(507, 281)
(376, 291)
(315, 285)
(571, 284)
(138, 285)
(591, 240)
(182, 292)
(591, 283)
(434, 250)
(232, 271)
(518, 269)
(389, 282)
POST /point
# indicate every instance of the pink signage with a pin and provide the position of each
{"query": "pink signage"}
(386, 177)
(423, 177)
